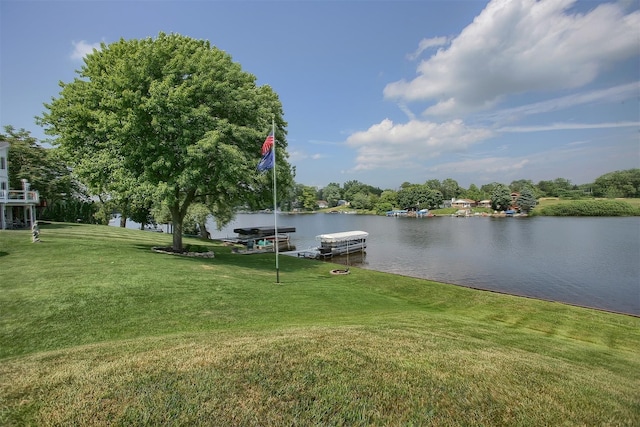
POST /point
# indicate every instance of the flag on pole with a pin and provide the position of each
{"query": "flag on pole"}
(268, 144)
(267, 161)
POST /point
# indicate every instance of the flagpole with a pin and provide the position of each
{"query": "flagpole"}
(275, 201)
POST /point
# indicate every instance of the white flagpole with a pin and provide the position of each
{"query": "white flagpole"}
(275, 201)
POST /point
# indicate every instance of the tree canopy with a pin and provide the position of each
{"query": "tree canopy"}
(624, 183)
(527, 200)
(419, 197)
(500, 197)
(174, 116)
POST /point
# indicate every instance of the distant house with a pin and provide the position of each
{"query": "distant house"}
(343, 203)
(514, 200)
(484, 204)
(17, 207)
(463, 203)
(322, 204)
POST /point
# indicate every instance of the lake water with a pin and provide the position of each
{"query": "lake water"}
(592, 262)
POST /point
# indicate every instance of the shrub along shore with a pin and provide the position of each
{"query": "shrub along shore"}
(97, 329)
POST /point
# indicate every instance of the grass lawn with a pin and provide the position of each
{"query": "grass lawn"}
(96, 329)
(549, 201)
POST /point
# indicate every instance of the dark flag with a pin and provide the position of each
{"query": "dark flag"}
(267, 161)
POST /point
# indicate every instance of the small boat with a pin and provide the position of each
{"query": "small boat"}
(344, 243)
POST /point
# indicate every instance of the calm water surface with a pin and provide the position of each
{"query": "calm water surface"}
(593, 262)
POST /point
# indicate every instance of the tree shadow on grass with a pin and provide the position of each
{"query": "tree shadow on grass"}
(224, 256)
(3, 253)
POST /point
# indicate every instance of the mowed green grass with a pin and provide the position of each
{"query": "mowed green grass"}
(549, 201)
(96, 329)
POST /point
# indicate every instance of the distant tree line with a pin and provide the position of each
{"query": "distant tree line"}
(432, 193)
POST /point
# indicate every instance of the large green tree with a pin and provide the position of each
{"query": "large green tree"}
(473, 193)
(419, 197)
(450, 189)
(624, 183)
(175, 114)
(308, 198)
(500, 197)
(527, 199)
(331, 193)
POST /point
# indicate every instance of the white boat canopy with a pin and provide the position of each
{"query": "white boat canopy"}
(342, 237)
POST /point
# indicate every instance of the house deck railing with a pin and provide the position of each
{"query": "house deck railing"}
(19, 196)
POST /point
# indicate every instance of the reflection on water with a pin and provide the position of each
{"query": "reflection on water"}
(358, 259)
(585, 261)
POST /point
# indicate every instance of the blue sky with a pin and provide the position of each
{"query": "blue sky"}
(384, 92)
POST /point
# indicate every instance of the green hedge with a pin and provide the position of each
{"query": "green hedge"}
(590, 208)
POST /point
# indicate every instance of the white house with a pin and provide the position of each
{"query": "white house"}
(17, 207)
(463, 203)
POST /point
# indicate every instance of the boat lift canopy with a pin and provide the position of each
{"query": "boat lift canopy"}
(342, 237)
(263, 231)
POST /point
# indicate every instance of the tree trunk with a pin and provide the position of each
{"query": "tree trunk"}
(177, 235)
(176, 219)
(123, 221)
(204, 234)
(177, 216)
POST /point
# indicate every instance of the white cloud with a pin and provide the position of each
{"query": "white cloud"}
(618, 93)
(488, 165)
(519, 46)
(426, 44)
(82, 49)
(568, 126)
(579, 161)
(387, 145)
(296, 155)
(405, 109)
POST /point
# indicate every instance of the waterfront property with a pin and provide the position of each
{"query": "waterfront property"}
(17, 207)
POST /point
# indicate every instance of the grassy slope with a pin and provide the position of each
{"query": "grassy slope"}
(98, 329)
(547, 201)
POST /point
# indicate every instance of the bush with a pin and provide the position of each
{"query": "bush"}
(196, 248)
(591, 208)
(70, 210)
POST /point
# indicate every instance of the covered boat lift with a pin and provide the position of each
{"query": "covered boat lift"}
(342, 243)
(262, 238)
